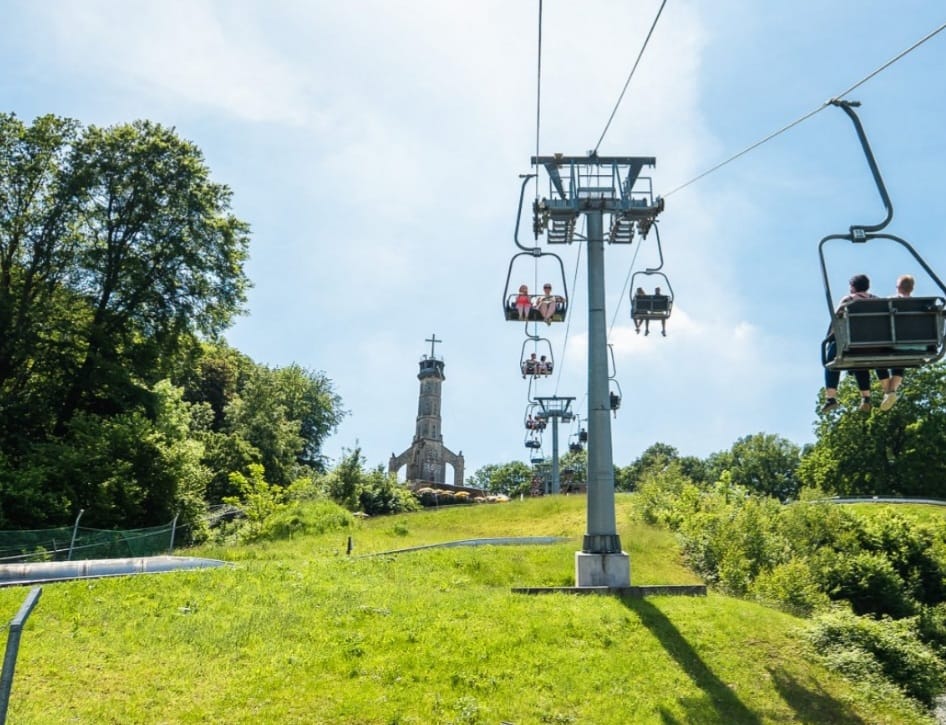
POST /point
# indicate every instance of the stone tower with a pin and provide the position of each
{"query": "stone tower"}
(427, 458)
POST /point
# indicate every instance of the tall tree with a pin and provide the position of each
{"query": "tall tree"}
(763, 463)
(161, 258)
(896, 452)
(39, 207)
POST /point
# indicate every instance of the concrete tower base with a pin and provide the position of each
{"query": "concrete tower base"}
(602, 570)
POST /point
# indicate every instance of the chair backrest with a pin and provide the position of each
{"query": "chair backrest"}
(869, 323)
(650, 306)
(888, 332)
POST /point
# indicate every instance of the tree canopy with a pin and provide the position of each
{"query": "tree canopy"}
(121, 263)
(895, 453)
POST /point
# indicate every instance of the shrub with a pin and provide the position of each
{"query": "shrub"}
(791, 586)
(258, 500)
(861, 647)
(305, 517)
(380, 493)
(867, 580)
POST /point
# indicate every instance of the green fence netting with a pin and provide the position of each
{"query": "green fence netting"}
(73, 543)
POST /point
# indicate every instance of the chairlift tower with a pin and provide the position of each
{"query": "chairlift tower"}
(598, 187)
(557, 409)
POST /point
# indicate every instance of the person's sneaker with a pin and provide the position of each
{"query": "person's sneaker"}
(888, 401)
(864, 407)
(829, 404)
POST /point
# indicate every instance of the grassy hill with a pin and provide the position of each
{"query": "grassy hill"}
(296, 631)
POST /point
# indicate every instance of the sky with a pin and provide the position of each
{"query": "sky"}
(375, 148)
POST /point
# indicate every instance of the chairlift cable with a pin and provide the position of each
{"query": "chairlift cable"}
(538, 102)
(808, 115)
(568, 320)
(629, 76)
(538, 111)
(627, 280)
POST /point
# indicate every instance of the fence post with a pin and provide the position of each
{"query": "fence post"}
(173, 530)
(75, 531)
(13, 646)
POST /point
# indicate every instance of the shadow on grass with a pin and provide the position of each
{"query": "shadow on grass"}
(809, 702)
(812, 704)
(728, 706)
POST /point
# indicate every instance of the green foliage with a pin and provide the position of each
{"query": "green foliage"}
(792, 586)
(654, 459)
(867, 580)
(863, 648)
(343, 482)
(272, 512)
(258, 500)
(380, 493)
(305, 518)
(800, 555)
(889, 453)
(132, 467)
(510, 479)
(372, 492)
(762, 463)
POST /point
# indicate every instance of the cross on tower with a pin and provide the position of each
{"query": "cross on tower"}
(433, 341)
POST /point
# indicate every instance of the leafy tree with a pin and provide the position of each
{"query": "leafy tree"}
(160, 258)
(39, 208)
(511, 478)
(480, 477)
(279, 417)
(116, 253)
(893, 453)
(371, 492)
(259, 416)
(656, 458)
(763, 463)
(308, 397)
(380, 493)
(573, 468)
(258, 499)
(133, 469)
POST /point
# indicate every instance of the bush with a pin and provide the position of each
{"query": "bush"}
(380, 493)
(258, 500)
(305, 518)
(790, 586)
(861, 647)
(868, 581)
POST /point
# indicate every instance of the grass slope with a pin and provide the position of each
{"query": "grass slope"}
(298, 632)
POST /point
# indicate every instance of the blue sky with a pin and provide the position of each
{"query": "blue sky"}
(375, 148)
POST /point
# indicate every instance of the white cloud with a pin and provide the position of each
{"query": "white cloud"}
(204, 53)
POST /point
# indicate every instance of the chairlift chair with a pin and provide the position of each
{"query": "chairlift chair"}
(651, 306)
(542, 347)
(897, 332)
(511, 290)
(614, 395)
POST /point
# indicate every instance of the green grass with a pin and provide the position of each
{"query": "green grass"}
(298, 632)
(922, 513)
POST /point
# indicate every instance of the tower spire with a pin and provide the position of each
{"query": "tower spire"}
(433, 341)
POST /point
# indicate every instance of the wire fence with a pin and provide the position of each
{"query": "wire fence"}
(70, 543)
